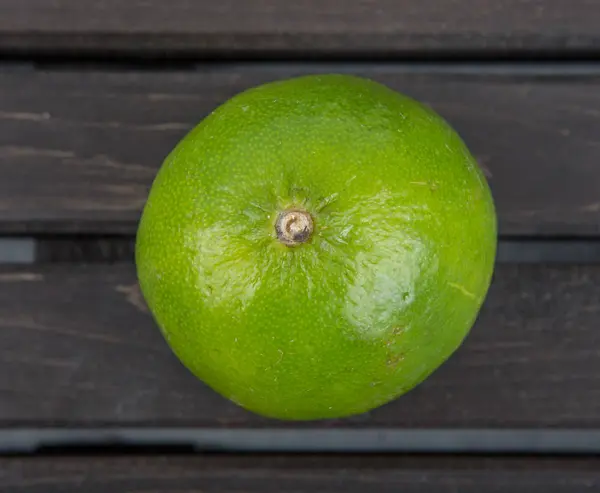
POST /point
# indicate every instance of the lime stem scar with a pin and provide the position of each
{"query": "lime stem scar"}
(293, 227)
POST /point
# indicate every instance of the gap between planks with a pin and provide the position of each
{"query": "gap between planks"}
(305, 440)
(97, 249)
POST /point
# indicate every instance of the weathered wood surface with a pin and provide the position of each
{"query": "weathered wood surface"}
(281, 27)
(79, 348)
(79, 149)
(298, 474)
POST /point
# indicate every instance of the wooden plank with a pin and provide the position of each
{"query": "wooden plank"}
(79, 149)
(298, 474)
(79, 348)
(238, 27)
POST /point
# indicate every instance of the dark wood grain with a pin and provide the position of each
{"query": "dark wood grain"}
(79, 149)
(234, 27)
(78, 347)
(298, 474)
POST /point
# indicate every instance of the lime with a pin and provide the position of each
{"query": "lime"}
(317, 247)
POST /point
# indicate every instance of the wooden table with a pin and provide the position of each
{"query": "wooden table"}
(93, 94)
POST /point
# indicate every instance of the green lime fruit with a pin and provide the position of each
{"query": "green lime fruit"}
(317, 247)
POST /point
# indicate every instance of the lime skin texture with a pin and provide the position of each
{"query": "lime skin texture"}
(384, 268)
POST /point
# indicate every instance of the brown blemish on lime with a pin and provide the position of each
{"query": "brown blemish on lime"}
(394, 333)
(397, 331)
(394, 360)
